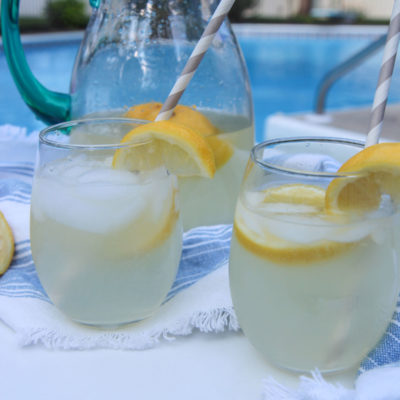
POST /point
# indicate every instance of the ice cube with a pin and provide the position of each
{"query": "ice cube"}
(96, 199)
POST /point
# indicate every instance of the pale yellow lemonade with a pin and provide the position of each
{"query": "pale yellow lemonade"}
(212, 201)
(310, 292)
(204, 201)
(106, 242)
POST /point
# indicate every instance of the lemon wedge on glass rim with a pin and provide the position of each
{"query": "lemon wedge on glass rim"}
(192, 119)
(179, 148)
(6, 244)
(368, 175)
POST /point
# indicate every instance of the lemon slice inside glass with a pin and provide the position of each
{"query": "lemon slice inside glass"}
(376, 172)
(180, 149)
(6, 244)
(257, 220)
(150, 233)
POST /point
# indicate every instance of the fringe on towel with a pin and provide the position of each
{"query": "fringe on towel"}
(217, 320)
(310, 388)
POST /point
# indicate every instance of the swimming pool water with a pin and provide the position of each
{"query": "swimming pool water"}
(284, 74)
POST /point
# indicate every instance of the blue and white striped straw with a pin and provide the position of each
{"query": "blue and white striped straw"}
(195, 58)
(385, 76)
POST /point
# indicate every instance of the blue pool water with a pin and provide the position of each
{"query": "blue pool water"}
(284, 74)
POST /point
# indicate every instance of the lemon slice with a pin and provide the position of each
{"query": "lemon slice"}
(183, 151)
(6, 244)
(184, 115)
(377, 172)
(150, 233)
(192, 119)
(299, 194)
(167, 223)
(255, 222)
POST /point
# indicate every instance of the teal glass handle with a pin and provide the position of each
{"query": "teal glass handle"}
(49, 106)
(95, 3)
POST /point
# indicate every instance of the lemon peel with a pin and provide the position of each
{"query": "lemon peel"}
(376, 171)
(6, 244)
(221, 149)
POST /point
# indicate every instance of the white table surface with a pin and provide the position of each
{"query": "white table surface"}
(198, 366)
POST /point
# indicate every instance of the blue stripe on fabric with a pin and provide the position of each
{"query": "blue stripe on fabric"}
(22, 282)
(18, 196)
(17, 166)
(14, 200)
(22, 173)
(9, 187)
(204, 250)
(22, 261)
(22, 245)
(388, 349)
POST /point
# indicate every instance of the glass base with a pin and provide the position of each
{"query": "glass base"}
(322, 370)
(112, 325)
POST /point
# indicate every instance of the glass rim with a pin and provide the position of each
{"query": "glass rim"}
(297, 172)
(84, 121)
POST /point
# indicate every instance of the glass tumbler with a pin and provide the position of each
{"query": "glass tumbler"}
(311, 287)
(106, 241)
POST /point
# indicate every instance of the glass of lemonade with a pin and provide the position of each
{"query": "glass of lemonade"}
(106, 242)
(312, 286)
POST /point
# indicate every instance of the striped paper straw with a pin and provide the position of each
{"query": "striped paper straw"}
(195, 58)
(385, 76)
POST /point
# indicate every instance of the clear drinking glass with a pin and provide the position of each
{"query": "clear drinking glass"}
(106, 242)
(311, 288)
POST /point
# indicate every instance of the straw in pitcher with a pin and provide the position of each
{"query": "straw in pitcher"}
(195, 58)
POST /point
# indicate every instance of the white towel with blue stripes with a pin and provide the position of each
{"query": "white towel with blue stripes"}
(199, 299)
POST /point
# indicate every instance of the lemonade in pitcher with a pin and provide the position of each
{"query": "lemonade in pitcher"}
(205, 200)
(210, 202)
(106, 241)
(314, 270)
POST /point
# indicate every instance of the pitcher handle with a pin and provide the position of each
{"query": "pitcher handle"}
(51, 107)
(95, 3)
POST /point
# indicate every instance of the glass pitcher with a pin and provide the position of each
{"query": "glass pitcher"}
(131, 54)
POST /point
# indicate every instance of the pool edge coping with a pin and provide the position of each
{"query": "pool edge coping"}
(309, 30)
